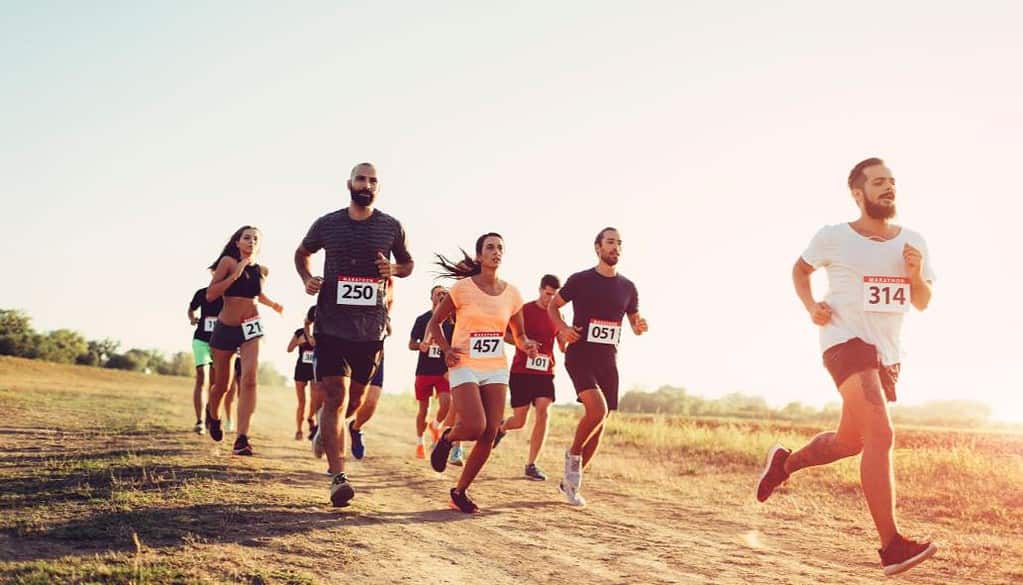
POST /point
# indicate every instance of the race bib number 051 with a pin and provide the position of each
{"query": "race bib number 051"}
(208, 323)
(886, 294)
(307, 357)
(357, 291)
(486, 345)
(540, 363)
(605, 332)
(252, 328)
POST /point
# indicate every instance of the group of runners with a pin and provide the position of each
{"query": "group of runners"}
(876, 271)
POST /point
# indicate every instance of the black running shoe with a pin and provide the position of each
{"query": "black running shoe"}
(341, 491)
(902, 554)
(462, 503)
(500, 435)
(242, 446)
(439, 455)
(312, 430)
(535, 473)
(358, 447)
(774, 472)
(214, 427)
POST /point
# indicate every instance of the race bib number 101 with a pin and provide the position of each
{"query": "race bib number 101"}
(886, 294)
(540, 363)
(357, 291)
(605, 332)
(486, 345)
(252, 328)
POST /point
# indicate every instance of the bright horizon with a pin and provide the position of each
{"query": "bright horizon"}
(135, 139)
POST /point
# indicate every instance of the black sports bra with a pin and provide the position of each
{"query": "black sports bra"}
(248, 285)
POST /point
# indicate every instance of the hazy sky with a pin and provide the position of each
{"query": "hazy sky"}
(136, 137)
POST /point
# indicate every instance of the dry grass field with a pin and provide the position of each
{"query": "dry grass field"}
(101, 481)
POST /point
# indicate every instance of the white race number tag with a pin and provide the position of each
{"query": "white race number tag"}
(486, 345)
(357, 291)
(433, 351)
(307, 356)
(605, 332)
(886, 294)
(208, 323)
(540, 363)
(252, 328)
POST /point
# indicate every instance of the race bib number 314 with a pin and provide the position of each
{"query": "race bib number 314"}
(357, 291)
(486, 345)
(886, 294)
(605, 332)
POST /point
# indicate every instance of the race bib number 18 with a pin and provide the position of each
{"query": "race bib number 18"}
(208, 323)
(486, 345)
(540, 363)
(433, 351)
(886, 294)
(605, 332)
(357, 291)
(252, 328)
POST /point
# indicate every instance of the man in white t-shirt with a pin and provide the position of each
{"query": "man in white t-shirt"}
(876, 271)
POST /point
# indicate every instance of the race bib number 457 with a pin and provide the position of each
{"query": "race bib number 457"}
(886, 294)
(357, 291)
(605, 332)
(486, 345)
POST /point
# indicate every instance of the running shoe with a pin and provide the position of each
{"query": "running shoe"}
(214, 427)
(312, 430)
(420, 451)
(500, 435)
(457, 456)
(439, 455)
(774, 472)
(341, 491)
(462, 502)
(318, 444)
(902, 554)
(229, 427)
(298, 435)
(535, 473)
(358, 448)
(242, 446)
(434, 430)
(574, 470)
(199, 428)
(572, 495)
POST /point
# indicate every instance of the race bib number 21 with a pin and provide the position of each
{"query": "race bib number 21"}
(252, 328)
(886, 294)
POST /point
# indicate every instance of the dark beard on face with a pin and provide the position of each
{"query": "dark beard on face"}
(877, 211)
(363, 198)
(609, 259)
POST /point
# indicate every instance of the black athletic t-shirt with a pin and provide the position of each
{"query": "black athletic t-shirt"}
(302, 349)
(598, 304)
(208, 312)
(428, 366)
(351, 250)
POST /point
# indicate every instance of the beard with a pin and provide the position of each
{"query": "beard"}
(362, 198)
(609, 259)
(878, 211)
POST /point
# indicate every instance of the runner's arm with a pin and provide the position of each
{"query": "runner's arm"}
(293, 343)
(311, 283)
(191, 315)
(638, 323)
(820, 313)
(518, 330)
(919, 287)
(566, 333)
(433, 329)
(265, 300)
(228, 270)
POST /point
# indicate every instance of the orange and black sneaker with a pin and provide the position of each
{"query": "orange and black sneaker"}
(460, 501)
(774, 472)
(439, 455)
(902, 554)
(242, 446)
(420, 451)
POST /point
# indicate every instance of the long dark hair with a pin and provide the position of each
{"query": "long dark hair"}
(467, 266)
(231, 248)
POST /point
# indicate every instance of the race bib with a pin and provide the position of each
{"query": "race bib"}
(433, 351)
(540, 363)
(208, 323)
(605, 332)
(357, 291)
(886, 294)
(486, 345)
(252, 328)
(307, 356)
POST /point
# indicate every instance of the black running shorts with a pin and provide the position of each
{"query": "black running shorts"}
(854, 356)
(526, 388)
(357, 360)
(593, 368)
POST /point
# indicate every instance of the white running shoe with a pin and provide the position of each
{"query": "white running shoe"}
(572, 495)
(198, 428)
(574, 470)
(229, 426)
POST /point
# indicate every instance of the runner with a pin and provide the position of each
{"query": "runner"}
(303, 374)
(431, 373)
(600, 297)
(208, 312)
(362, 406)
(315, 392)
(484, 307)
(532, 380)
(876, 271)
(239, 280)
(351, 317)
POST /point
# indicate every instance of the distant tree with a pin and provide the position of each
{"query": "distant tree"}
(62, 346)
(98, 352)
(16, 335)
(180, 364)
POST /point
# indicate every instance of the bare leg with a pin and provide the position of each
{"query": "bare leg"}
(247, 388)
(222, 380)
(300, 410)
(491, 399)
(518, 418)
(197, 391)
(829, 446)
(443, 406)
(592, 421)
(368, 407)
(424, 408)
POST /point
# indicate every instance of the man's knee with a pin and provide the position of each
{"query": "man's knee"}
(879, 437)
(473, 430)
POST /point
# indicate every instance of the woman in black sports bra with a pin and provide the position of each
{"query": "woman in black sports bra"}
(238, 279)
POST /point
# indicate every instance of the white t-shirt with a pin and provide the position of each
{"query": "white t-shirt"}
(855, 264)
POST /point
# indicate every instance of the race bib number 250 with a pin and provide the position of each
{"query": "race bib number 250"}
(886, 294)
(357, 291)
